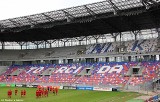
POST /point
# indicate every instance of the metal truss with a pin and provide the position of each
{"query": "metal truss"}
(93, 9)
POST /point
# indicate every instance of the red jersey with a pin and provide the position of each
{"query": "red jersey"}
(46, 92)
(40, 92)
(16, 91)
(24, 92)
(21, 92)
(8, 92)
(37, 93)
(56, 90)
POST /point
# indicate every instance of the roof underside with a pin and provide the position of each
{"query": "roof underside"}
(98, 18)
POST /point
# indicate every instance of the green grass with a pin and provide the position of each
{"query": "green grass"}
(68, 96)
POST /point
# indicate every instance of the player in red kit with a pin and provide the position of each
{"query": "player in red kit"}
(9, 93)
(16, 91)
(24, 93)
(40, 93)
(37, 93)
(46, 93)
(21, 93)
(56, 90)
(53, 90)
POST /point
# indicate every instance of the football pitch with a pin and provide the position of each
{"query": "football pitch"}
(67, 96)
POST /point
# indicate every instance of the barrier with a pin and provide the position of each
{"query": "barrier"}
(69, 87)
(12, 85)
(30, 86)
(84, 88)
(18, 85)
(8, 85)
(102, 89)
(61, 87)
(2, 85)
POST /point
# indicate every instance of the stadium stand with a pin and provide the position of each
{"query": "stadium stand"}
(139, 46)
(40, 53)
(112, 73)
(114, 43)
(132, 46)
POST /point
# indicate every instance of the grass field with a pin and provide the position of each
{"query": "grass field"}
(68, 96)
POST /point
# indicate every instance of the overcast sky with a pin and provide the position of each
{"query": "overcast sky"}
(17, 8)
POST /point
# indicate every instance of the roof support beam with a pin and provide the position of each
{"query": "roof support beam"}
(90, 11)
(149, 3)
(136, 33)
(2, 26)
(116, 9)
(31, 21)
(21, 44)
(15, 23)
(115, 35)
(69, 16)
(48, 17)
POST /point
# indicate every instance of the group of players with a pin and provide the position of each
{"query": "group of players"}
(42, 92)
(9, 93)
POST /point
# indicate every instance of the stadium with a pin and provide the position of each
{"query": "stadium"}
(107, 51)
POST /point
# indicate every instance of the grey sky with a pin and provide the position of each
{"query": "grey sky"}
(17, 8)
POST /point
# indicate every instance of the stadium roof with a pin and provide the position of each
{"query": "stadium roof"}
(104, 17)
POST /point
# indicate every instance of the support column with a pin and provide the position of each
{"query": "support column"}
(135, 34)
(50, 45)
(3, 45)
(115, 36)
(37, 43)
(79, 42)
(120, 38)
(45, 45)
(115, 59)
(96, 37)
(37, 46)
(21, 44)
(158, 30)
